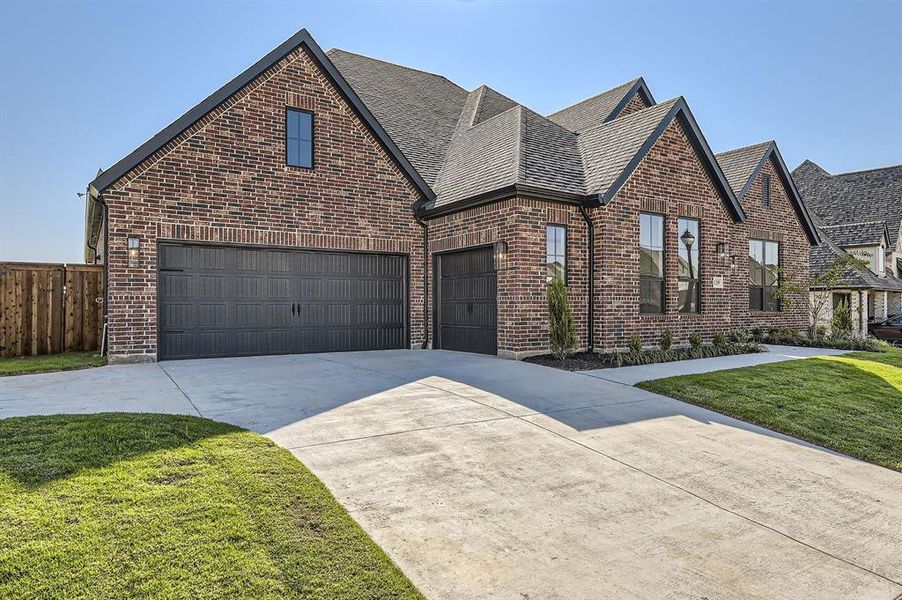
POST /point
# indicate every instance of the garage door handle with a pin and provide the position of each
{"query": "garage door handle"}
(292, 309)
(469, 307)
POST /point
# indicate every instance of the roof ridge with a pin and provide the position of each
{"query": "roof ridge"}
(520, 156)
(632, 116)
(856, 223)
(590, 98)
(394, 64)
(884, 168)
(741, 148)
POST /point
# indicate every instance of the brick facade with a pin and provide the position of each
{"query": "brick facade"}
(781, 224)
(635, 103)
(225, 180)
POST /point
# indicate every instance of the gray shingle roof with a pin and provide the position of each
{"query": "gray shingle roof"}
(873, 195)
(828, 252)
(606, 149)
(419, 110)
(593, 111)
(856, 234)
(739, 164)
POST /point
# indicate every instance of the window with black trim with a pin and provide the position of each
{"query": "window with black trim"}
(764, 275)
(765, 191)
(651, 263)
(299, 138)
(689, 290)
(556, 253)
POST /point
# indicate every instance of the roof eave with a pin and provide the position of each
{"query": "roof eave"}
(301, 38)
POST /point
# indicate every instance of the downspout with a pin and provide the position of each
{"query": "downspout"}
(425, 280)
(105, 212)
(591, 251)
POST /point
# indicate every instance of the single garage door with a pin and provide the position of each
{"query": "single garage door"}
(465, 301)
(237, 301)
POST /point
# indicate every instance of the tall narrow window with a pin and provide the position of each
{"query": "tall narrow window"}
(299, 138)
(764, 275)
(556, 253)
(688, 278)
(765, 191)
(651, 263)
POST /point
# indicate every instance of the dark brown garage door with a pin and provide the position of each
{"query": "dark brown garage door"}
(466, 308)
(233, 301)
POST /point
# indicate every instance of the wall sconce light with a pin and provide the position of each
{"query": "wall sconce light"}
(733, 264)
(721, 255)
(500, 255)
(134, 249)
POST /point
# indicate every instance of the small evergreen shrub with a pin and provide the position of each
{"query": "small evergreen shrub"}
(666, 340)
(841, 325)
(635, 343)
(720, 339)
(560, 320)
(738, 335)
(695, 340)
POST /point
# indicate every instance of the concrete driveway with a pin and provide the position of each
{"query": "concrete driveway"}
(487, 478)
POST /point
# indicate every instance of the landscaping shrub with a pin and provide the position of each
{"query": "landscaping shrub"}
(738, 335)
(560, 321)
(625, 358)
(841, 325)
(635, 343)
(695, 340)
(666, 340)
(720, 339)
(792, 337)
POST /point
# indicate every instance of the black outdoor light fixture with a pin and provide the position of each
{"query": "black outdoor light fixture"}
(721, 255)
(500, 255)
(134, 249)
(688, 239)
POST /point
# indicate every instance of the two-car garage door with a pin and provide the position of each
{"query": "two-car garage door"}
(239, 301)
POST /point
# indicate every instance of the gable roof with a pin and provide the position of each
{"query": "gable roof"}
(301, 39)
(859, 196)
(742, 166)
(828, 252)
(519, 149)
(419, 110)
(602, 108)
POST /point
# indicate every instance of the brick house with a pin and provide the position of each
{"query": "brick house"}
(330, 201)
(858, 214)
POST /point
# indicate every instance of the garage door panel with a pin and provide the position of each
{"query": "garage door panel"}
(225, 301)
(466, 301)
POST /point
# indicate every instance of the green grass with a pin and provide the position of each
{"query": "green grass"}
(154, 506)
(851, 403)
(21, 365)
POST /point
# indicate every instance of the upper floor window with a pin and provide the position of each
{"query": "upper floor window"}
(687, 273)
(299, 138)
(765, 191)
(556, 253)
(764, 275)
(651, 263)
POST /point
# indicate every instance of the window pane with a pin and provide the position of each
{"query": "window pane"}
(651, 245)
(773, 304)
(291, 127)
(556, 251)
(305, 126)
(756, 262)
(651, 295)
(299, 138)
(294, 152)
(560, 241)
(772, 261)
(651, 263)
(688, 259)
(755, 298)
(305, 157)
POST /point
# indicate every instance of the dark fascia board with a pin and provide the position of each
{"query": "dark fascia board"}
(503, 193)
(301, 38)
(679, 110)
(638, 88)
(789, 184)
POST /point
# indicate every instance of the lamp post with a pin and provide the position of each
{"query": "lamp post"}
(688, 239)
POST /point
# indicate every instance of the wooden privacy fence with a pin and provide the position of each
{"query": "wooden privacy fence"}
(50, 308)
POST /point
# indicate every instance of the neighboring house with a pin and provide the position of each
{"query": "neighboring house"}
(860, 214)
(330, 201)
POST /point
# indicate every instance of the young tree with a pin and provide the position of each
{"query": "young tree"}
(841, 324)
(560, 322)
(816, 290)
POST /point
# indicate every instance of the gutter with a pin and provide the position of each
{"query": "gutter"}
(591, 304)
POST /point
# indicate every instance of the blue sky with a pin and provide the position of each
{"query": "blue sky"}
(86, 83)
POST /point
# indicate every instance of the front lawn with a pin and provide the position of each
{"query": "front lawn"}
(154, 506)
(21, 365)
(851, 403)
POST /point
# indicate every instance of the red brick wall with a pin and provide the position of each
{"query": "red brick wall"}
(635, 103)
(779, 223)
(672, 181)
(225, 180)
(521, 295)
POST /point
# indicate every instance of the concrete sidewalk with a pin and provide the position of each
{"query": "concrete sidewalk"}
(633, 375)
